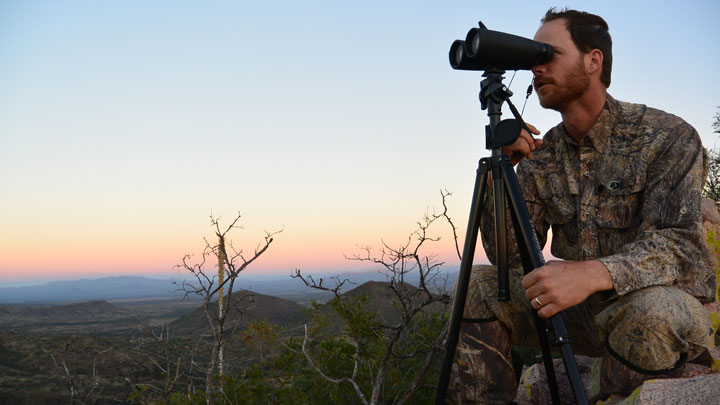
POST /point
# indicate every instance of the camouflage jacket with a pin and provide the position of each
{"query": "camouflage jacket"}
(628, 195)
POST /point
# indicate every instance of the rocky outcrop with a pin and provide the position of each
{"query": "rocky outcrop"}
(703, 389)
(698, 385)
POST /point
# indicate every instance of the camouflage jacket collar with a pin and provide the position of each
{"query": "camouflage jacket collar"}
(601, 131)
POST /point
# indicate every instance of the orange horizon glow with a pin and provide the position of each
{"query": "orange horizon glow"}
(107, 257)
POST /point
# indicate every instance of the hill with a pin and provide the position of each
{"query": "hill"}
(380, 299)
(248, 306)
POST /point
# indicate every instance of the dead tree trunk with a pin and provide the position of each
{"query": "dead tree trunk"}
(210, 287)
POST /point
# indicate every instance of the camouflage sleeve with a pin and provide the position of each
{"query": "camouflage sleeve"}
(537, 217)
(669, 239)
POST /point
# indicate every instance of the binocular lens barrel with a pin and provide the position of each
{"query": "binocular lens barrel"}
(457, 54)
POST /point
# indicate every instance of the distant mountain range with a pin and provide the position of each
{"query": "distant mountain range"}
(134, 287)
(106, 288)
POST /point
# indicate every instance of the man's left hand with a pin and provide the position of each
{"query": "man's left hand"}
(563, 284)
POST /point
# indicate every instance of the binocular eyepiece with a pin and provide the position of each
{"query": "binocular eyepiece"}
(484, 49)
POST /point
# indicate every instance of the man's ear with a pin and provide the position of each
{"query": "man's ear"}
(594, 61)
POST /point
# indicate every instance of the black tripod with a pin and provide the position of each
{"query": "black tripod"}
(505, 184)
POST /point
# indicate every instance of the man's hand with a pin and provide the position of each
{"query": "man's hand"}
(563, 284)
(523, 146)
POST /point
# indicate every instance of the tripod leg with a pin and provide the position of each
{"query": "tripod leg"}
(532, 258)
(463, 280)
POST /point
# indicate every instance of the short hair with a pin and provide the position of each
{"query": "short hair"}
(588, 32)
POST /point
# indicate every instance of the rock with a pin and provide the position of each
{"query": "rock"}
(533, 388)
(710, 215)
(703, 389)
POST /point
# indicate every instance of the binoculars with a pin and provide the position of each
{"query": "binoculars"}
(484, 49)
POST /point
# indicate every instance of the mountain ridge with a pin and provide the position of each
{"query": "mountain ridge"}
(135, 287)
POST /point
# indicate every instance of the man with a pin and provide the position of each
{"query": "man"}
(620, 185)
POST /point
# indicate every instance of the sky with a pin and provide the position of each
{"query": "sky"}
(125, 124)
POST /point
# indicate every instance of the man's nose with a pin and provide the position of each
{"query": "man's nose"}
(538, 69)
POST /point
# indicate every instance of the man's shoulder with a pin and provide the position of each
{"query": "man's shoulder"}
(650, 134)
(639, 119)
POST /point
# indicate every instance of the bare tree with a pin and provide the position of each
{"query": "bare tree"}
(430, 294)
(207, 285)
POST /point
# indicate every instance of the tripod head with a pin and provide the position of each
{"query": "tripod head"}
(493, 93)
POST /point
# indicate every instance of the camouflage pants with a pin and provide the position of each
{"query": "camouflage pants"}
(649, 328)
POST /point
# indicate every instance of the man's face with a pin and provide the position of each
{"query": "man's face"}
(564, 79)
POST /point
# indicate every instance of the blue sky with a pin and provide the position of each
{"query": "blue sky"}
(124, 124)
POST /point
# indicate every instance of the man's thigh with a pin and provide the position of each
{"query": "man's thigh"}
(516, 314)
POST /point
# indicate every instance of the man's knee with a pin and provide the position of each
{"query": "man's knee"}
(482, 303)
(654, 329)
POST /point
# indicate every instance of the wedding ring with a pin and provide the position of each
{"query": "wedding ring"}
(538, 301)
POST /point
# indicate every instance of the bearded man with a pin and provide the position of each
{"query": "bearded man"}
(620, 186)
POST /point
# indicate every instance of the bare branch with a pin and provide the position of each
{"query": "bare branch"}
(309, 281)
(445, 194)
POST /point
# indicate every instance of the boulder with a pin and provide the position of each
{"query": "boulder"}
(533, 388)
(703, 389)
